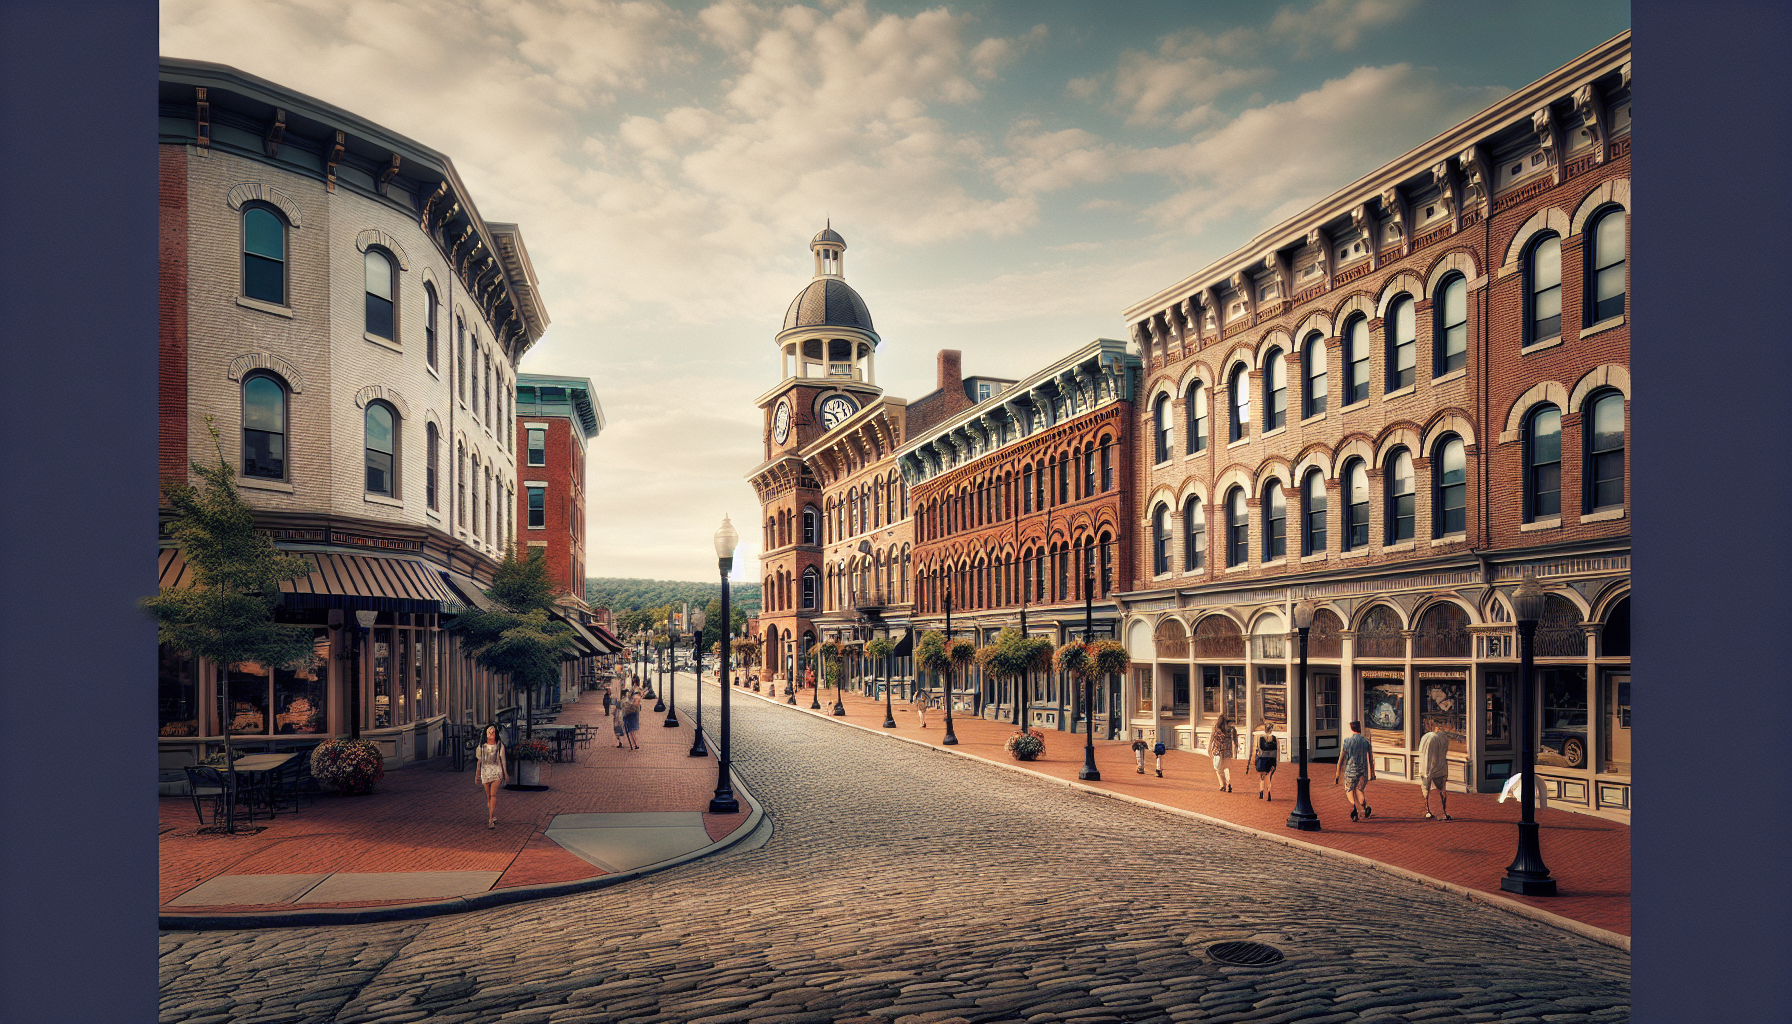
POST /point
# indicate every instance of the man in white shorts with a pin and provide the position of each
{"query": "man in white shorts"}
(1434, 768)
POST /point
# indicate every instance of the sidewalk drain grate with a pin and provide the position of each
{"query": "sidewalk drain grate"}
(1244, 954)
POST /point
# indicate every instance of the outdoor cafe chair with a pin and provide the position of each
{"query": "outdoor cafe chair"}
(205, 782)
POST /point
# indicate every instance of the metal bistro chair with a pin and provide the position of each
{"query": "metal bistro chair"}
(583, 733)
(204, 781)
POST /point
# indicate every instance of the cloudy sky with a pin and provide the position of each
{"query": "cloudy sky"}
(1007, 175)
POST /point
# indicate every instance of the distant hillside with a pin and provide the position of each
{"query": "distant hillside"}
(621, 595)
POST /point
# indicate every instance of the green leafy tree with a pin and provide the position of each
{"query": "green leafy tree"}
(879, 651)
(522, 641)
(1007, 657)
(930, 654)
(960, 654)
(227, 615)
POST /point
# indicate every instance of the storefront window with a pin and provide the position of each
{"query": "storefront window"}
(299, 697)
(1210, 691)
(1145, 690)
(1272, 696)
(1234, 696)
(401, 690)
(382, 678)
(1179, 691)
(1499, 710)
(177, 694)
(1614, 710)
(247, 696)
(1384, 710)
(1563, 698)
(1325, 703)
(1443, 704)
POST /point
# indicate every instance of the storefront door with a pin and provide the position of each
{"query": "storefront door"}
(1614, 704)
(1325, 709)
(1235, 707)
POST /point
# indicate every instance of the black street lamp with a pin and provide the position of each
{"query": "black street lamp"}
(796, 665)
(951, 739)
(1527, 875)
(889, 715)
(815, 693)
(666, 664)
(724, 802)
(1089, 773)
(1303, 818)
(1021, 717)
(698, 619)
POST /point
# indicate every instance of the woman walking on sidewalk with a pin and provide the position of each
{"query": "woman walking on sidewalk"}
(631, 719)
(491, 773)
(920, 703)
(1222, 743)
(1268, 755)
(616, 720)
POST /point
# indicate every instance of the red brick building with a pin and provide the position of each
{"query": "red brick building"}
(555, 418)
(1023, 507)
(1394, 404)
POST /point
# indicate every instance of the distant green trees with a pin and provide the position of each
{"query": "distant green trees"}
(630, 595)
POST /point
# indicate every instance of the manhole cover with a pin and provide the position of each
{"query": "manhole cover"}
(1244, 954)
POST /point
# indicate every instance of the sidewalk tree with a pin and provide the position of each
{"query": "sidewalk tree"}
(227, 615)
(832, 654)
(930, 654)
(522, 640)
(960, 653)
(1006, 658)
(880, 650)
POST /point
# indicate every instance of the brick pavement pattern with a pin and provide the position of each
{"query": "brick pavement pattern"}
(902, 888)
(426, 817)
(1589, 857)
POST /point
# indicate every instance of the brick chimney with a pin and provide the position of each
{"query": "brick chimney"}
(951, 370)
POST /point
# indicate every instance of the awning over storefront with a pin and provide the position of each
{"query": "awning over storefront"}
(905, 647)
(588, 644)
(375, 582)
(609, 639)
(470, 595)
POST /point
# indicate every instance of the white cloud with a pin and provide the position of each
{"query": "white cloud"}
(1339, 22)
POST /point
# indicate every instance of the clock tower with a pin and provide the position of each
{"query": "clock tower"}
(827, 356)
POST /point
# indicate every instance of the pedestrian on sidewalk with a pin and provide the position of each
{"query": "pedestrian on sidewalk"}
(1158, 752)
(490, 757)
(920, 702)
(1434, 769)
(1356, 766)
(1138, 753)
(1268, 756)
(631, 719)
(1222, 743)
(606, 701)
(616, 721)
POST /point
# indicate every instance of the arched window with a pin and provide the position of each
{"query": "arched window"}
(1449, 314)
(1400, 494)
(460, 345)
(1026, 488)
(460, 477)
(431, 308)
(1238, 529)
(1275, 390)
(1605, 267)
(1543, 290)
(264, 427)
(1312, 507)
(1088, 472)
(1063, 479)
(1160, 539)
(1604, 428)
(1449, 468)
(1162, 417)
(1275, 522)
(1312, 359)
(1543, 463)
(1107, 463)
(811, 525)
(1194, 535)
(1195, 406)
(1402, 328)
(1356, 360)
(382, 448)
(1356, 506)
(264, 255)
(432, 440)
(811, 580)
(379, 294)
(1240, 388)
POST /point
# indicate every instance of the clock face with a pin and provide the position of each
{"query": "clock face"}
(837, 410)
(781, 423)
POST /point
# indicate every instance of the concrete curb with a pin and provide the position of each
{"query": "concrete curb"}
(463, 904)
(1568, 924)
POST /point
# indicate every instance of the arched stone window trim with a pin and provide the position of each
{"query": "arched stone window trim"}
(1543, 392)
(1458, 262)
(1608, 376)
(249, 362)
(1404, 283)
(1321, 322)
(1395, 437)
(379, 392)
(1616, 191)
(374, 238)
(1448, 421)
(246, 192)
(1545, 220)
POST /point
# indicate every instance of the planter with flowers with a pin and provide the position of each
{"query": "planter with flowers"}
(352, 766)
(1026, 746)
(532, 757)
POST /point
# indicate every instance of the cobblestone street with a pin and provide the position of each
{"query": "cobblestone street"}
(908, 886)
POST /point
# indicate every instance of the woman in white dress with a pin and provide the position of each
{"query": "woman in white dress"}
(491, 773)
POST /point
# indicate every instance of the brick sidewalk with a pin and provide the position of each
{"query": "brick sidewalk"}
(1589, 857)
(426, 817)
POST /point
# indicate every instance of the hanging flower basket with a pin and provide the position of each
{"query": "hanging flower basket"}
(352, 766)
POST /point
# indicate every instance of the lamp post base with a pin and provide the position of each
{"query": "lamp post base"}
(724, 803)
(840, 709)
(697, 748)
(671, 721)
(659, 706)
(951, 739)
(1303, 818)
(1527, 875)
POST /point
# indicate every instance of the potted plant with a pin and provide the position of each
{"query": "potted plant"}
(531, 756)
(1026, 746)
(352, 766)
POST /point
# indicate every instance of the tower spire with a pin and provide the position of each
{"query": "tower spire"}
(829, 249)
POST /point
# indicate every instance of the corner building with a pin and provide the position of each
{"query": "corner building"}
(333, 301)
(1395, 403)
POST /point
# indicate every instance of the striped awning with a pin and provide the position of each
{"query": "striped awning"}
(471, 594)
(609, 639)
(379, 582)
(591, 636)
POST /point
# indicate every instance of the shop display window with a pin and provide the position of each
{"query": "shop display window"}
(177, 694)
(381, 690)
(1179, 691)
(1234, 707)
(246, 698)
(1272, 696)
(1325, 702)
(401, 689)
(1562, 694)
(1384, 710)
(1498, 720)
(1614, 713)
(300, 697)
(1145, 690)
(1210, 691)
(1443, 704)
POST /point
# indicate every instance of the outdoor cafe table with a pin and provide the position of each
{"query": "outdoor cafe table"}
(562, 735)
(260, 769)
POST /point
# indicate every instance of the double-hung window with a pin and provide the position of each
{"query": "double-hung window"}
(1275, 522)
(1605, 451)
(1543, 291)
(538, 508)
(381, 448)
(1312, 358)
(1400, 495)
(1160, 539)
(1605, 268)
(1356, 508)
(1163, 429)
(1449, 312)
(264, 256)
(1275, 390)
(264, 427)
(1194, 536)
(1402, 334)
(1238, 529)
(538, 446)
(1356, 360)
(1543, 464)
(1313, 513)
(1450, 469)
(1241, 403)
(379, 295)
(1195, 399)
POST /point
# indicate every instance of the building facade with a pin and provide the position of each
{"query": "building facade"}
(1023, 509)
(335, 305)
(556, 417)
(1395, 403)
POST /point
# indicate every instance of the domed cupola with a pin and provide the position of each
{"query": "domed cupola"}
(827, 330)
